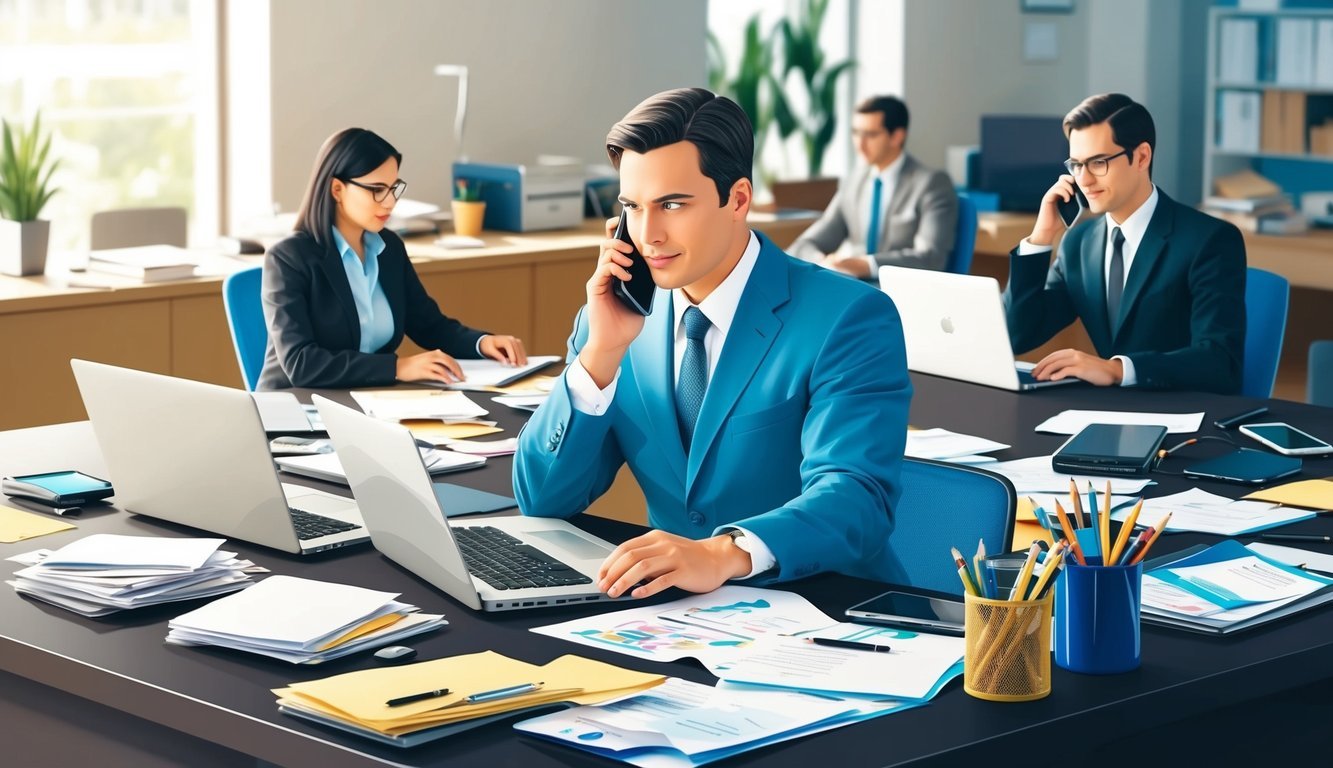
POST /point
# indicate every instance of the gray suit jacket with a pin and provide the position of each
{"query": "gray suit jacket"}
(919, 230)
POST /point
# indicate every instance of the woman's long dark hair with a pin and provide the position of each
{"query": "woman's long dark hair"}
(346, 154)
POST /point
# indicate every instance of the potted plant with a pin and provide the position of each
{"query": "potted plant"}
(469, 208)
(25, 187)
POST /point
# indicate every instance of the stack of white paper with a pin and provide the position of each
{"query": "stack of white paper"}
(302, 621)
(327, 466)
(1034, 475)
(943, 445)
(403, 404)
(488, 375)
(105, 573)
(1072, 422)
(1204, 512)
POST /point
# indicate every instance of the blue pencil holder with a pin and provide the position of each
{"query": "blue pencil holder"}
(1097, 617)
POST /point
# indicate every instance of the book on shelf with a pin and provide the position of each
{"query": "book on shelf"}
(1244, 185)
(1323, 68)
(149, 263)
(1238, 128)
(1295, 51)
(1256, 205)
(1239, 43)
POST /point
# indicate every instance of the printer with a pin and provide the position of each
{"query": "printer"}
(527, 197)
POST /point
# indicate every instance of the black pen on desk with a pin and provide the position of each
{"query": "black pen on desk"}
(1295, 537)
(401, 700)
(848, 644)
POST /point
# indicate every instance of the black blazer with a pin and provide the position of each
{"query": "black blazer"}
(1182, 315)
(314, 332)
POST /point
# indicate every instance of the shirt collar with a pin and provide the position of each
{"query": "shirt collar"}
(371, 241)
(891, 171)
(720, 306)
(1136, 225)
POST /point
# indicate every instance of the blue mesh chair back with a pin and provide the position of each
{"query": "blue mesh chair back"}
(245, 317)
(965, 238)
(1319, 390)
(949, 505)
(1266, 296)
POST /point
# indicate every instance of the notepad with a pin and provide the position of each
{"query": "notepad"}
(17, 525)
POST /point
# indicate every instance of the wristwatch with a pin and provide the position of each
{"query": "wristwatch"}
(741, 541)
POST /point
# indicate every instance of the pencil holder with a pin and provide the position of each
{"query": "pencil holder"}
(1007, 648)
(1097, 617)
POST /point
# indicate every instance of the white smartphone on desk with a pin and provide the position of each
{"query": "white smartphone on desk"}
(1286, 439)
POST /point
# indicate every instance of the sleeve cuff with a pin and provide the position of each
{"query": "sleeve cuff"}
(1028, 249)
(1131, 377)
(479, 338)
(584, 394)
(761, 557)
(874, 266)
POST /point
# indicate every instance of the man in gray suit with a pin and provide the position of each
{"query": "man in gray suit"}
(894, 211)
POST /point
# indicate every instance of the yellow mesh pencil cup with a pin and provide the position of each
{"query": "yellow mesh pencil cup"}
(1007, 648)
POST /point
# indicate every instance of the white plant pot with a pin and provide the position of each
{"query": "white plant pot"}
(23, 247)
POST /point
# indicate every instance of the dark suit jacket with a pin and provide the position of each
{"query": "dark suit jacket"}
(313, 329)
(1182, 315)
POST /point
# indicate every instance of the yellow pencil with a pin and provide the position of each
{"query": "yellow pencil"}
(1160, 527)
(1078, 505)
(1052, 566)
(1126, 529)
(1021, 583)
(1069, 532)
(1104, 523)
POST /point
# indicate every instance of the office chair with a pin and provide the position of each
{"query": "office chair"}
(948, 505)
(245, 318)
(131, 227)
(1319, 385)
(965, 238)
(1266, 296)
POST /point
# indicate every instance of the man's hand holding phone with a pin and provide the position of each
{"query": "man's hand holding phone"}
(611, 324)
(1050, 222)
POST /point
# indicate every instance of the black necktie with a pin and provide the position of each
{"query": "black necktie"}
(1115, 280)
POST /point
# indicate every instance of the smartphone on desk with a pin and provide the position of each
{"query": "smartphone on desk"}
(1286, 439)
(637, 294)
(1072, 208)
(923, 611)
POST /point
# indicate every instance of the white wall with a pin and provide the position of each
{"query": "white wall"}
(546, 77)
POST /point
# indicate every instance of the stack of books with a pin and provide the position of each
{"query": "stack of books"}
(149, 263)
(1254, 204)
(302, 621)
(105, 573)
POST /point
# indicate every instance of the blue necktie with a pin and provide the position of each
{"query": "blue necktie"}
(872, 233)
(693, 373)
(1115, 278)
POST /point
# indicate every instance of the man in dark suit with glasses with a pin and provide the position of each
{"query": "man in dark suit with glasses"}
(1159, 286)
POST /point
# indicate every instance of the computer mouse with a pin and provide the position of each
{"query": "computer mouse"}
(395, 653)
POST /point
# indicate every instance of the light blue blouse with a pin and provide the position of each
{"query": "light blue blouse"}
(372, 308)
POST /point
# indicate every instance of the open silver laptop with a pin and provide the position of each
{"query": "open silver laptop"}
(954, 326)
(196, 454)
(491, 564)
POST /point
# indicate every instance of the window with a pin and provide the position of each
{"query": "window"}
(129, 88)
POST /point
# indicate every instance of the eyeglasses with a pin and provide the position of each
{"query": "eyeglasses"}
(380, 191)
(1097, 167)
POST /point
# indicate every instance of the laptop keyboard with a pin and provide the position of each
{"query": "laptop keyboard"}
(311, 526)
(504, 562)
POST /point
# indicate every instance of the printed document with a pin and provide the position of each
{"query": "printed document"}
(1072, 422)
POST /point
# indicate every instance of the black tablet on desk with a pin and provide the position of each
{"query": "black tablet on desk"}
(1110, 449)
(1246, 466)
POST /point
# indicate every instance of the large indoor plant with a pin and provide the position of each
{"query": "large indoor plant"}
(802, 55)
(25, 188)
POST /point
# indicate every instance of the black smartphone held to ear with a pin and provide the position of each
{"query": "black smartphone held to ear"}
(1072, 208)
(638, 293)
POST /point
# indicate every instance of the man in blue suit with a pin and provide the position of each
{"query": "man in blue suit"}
(761, 405)
(1159, 286)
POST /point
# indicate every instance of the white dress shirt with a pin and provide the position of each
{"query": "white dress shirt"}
(889, 178)
(1133, 228)
(720, 309)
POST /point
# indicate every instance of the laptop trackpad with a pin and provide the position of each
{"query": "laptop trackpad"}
(572, 543)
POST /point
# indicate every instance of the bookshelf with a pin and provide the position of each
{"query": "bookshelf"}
(1270, 81)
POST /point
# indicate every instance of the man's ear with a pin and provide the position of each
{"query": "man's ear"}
(1143, 156)
(742, 194)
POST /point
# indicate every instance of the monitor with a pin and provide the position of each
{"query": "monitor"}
(1020, 158)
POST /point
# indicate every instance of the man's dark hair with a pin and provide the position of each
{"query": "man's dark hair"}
(346, 154)
(891, 108)
(715, 125)
(1131, 125)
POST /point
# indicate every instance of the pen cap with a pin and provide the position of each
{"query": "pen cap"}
(1007, 648)
(1097, 617)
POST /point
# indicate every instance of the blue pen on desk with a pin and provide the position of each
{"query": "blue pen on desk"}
(502, 693)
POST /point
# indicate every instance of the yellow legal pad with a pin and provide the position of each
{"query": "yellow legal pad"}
(358, 699)
(1307, 494)
(17, 525)
(434, 431)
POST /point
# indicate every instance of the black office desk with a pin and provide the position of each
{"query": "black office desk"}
(223, 697)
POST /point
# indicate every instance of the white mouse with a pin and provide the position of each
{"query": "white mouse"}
(395, 653)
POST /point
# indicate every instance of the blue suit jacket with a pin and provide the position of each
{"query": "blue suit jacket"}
(799, 439)
(1182, 315)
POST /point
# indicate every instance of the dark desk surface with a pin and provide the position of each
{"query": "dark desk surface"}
(224, 697)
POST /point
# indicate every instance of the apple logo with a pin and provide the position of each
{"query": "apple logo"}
(946, 324)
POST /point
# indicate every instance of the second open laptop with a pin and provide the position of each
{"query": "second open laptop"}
(490, 564)
(196, 454)
(954, 326)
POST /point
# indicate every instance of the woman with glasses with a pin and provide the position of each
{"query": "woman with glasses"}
(339, 294)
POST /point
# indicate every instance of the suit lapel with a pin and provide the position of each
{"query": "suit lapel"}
(752, 334)
(900, 195)
(391, 280)
(1094, 285)
(654, 374)
(332, 264)
(1146, 257)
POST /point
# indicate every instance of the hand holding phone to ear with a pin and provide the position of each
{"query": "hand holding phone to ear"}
(1049, 221)
(611, 324)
